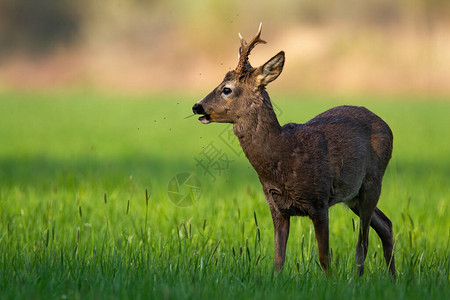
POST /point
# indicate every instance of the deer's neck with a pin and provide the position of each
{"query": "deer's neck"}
(260, 136)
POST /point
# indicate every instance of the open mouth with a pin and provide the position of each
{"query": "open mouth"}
(205, 119)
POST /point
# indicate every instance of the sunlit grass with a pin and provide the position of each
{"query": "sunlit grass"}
(85, 213)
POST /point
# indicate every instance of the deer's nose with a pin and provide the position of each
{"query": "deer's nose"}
(198, 109)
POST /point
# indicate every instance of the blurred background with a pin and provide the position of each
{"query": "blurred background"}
(372, 46)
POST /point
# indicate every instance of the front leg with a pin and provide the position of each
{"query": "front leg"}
(281, 232)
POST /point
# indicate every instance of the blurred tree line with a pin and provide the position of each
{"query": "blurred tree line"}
(37, 26)
(341, 44)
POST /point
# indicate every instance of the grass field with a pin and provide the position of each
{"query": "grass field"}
(88, 207)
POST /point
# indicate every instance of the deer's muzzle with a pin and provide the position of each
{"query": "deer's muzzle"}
(199, 110)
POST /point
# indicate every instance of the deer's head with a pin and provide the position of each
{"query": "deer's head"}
(241, 88)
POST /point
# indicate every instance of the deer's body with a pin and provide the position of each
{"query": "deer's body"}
(338, 156)
(320, 163)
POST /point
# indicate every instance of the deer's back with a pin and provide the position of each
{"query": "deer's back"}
(338, 150)
(357, 126)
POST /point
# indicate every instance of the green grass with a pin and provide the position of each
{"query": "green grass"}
(75, 220)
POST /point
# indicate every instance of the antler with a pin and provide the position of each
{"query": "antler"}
(245, 49)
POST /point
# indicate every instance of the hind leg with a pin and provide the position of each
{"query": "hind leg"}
(364, 206)
(383, 227)
(363, 240)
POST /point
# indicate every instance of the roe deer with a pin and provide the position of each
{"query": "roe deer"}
(338, 156)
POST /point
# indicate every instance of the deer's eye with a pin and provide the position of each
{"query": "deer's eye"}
(226, 91)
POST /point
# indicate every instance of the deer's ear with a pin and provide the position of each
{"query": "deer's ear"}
(270, 70)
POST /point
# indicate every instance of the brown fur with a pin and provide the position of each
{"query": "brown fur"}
(338, 156)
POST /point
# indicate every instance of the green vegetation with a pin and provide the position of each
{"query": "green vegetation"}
(75, 220)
